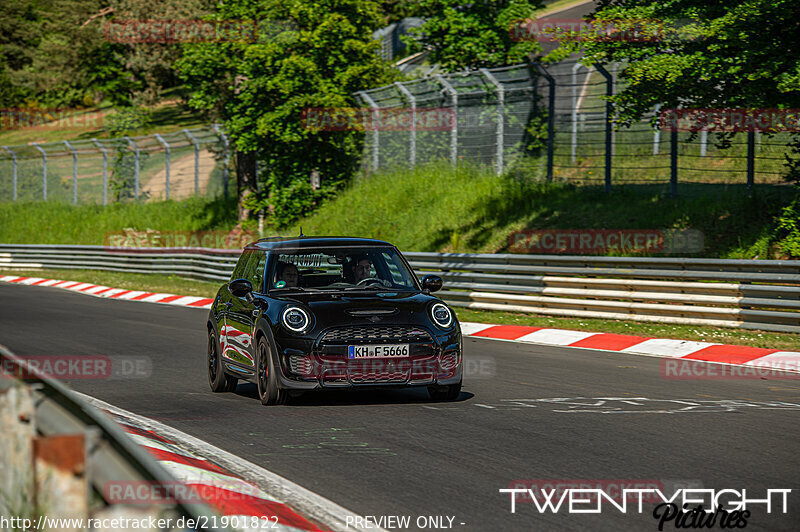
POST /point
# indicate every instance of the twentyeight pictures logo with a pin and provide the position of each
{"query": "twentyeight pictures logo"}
(682, 507)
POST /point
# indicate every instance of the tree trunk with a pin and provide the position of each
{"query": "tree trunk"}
(245, 181)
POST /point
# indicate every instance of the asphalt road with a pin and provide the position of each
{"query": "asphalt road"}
(519, 417)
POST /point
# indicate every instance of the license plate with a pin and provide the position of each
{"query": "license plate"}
(377, 351)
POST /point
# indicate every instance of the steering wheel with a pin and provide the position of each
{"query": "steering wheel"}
(369, 280)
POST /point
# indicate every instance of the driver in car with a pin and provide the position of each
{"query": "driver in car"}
(361, 268)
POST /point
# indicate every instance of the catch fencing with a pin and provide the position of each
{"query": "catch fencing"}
(553, 122)
(189, 162)
(747, 294)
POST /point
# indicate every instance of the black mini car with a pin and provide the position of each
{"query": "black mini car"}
(312, 313)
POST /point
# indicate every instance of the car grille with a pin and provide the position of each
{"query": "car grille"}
(371, 334)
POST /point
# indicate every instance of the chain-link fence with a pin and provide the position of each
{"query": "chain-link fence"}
(555, 125)
(190, 162)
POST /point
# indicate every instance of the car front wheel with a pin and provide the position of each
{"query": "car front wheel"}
(445, 393)
(267, 380)
(217, 379)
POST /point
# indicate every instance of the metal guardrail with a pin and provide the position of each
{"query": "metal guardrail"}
(749, 294)
(111, 455)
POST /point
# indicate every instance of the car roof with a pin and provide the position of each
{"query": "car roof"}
(271, 243)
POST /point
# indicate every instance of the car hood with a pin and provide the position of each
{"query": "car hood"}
(367, 307)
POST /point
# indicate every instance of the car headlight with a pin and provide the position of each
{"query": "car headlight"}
(441, 315)
(295, 319)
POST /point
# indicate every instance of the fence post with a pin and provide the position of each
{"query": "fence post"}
(703, 141)
(454, 130)
(501, 99)
(224, 140)
(751, 159)
(609, 113)
(412, 140)
(196, 161)
(551, 119)
(673, 162)
(574, 146)
(74, 172)
(13, 169)
(135, 167)
(375, 134)
(164, 143)
(657, 131)
(105, 169)
(44, 170)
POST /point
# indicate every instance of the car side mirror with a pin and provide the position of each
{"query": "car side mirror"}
(432, 283)
(240, 287)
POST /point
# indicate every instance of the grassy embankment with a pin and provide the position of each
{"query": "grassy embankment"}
(435, 209)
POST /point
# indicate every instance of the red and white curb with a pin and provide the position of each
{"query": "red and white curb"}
(221, 483)
(756, 357)
(738, 355)
(113, 293)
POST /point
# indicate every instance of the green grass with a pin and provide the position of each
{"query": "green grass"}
(770, 340)
(170, 284)
(60, 223)
(467, 209)
(439, 208)
(189, 287)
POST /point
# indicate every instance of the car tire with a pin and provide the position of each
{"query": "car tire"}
(217, 378)
(445, 393)
(266, 378)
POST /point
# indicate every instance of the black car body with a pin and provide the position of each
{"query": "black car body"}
(357, 317)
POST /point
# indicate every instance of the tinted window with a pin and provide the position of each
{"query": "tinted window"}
(371, 268)
(255, 270)
(241, 265)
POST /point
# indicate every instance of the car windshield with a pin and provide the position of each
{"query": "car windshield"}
(340, 269)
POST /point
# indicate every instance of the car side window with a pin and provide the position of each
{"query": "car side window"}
(241, 265)
(255, 270)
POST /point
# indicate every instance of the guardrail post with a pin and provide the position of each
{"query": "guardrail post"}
(44, 170)
(412, 139)
(164, 143)
(501, 99)
(74, 171)
(454, 130)
(551, 118)
(226, 159)
(105, 169)
(751, 159)
(673, 162)
(196, 161)
(13, 170)
(609, 114)
(375, 133)
(135, 167)
(657, 131)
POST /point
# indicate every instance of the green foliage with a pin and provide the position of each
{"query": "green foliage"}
(307, 54)
(789, 229)
(469, 35)
(118, 124)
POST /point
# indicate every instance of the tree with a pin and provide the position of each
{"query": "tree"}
(703, 53)
(304, 54)
(469, 35)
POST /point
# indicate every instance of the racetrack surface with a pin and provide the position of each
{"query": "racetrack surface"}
(397, 453)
